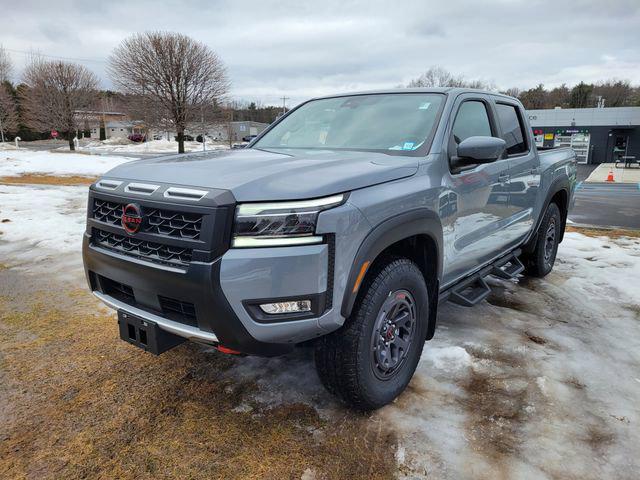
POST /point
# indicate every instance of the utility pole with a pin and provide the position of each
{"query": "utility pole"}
(284, 104)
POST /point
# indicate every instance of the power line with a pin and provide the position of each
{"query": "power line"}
(38, 54)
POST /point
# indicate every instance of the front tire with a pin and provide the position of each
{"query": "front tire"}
(540, 262)
(371, 359)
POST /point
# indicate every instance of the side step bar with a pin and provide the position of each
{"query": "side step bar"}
(472, 290)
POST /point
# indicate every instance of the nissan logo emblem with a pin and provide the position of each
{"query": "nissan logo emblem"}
(131, 218)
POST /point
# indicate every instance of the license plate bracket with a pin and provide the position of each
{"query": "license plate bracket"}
(145, 334)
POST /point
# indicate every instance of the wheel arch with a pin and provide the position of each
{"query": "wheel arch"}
(558, 193)
(417, 235)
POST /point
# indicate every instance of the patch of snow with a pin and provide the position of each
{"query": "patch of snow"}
(309, 474)
(41, 221)
(152, 146)
(447, 358)
(20, 162)
(540, 381)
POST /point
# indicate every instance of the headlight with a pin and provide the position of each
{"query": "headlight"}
(280, 223)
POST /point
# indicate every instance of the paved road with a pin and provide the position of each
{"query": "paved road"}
(607, 205)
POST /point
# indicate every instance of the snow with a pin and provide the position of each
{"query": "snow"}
(7, 146)
(563, 405)
(38, 222)
(152, 146)
(19, 162)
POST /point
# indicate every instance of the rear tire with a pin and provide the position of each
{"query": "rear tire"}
(540, 262)
(371, 359)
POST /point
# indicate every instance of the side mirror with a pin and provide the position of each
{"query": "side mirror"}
(475, 150)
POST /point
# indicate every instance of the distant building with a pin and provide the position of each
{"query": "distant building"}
(598, 135)
(119, 129)
(240, 130)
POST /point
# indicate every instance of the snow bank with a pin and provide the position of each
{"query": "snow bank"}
(19, 162)
(7, 146)
(153, 146)
(41, 221)
(540, 381)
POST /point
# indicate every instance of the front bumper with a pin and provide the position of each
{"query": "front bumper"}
(220, 292)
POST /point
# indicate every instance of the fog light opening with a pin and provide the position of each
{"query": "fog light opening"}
(296, 306)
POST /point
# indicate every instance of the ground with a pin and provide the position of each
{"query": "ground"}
(539, 381)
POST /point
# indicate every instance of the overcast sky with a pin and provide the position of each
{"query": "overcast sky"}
(301, 48)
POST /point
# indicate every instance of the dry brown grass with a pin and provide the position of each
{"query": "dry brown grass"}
(80, 403)
(604, 232)
(37, 179)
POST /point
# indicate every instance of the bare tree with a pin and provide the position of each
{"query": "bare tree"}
(617, 93)
(179, 74)
(8, 112)
(6, 67)
(60, 95)
(439, 77)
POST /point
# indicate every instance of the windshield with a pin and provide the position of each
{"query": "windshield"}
(389, 122)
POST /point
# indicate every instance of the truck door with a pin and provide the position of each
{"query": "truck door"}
(473, 230)
(524, 169)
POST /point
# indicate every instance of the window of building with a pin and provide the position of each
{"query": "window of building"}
(472, 121)
(512, 130)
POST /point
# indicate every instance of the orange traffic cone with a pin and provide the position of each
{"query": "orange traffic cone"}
(610, 176)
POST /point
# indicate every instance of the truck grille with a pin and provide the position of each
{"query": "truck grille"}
(152, 251)
(158, 221)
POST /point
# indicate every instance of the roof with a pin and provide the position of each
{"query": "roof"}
(445, 90)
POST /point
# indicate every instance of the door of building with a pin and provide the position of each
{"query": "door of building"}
(617, 146)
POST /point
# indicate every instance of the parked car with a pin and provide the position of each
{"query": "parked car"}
(248, 138)
(137, 137)
(344, 226)
(187, 138)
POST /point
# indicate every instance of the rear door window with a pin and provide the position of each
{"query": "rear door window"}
(512, 128)
(472, 120)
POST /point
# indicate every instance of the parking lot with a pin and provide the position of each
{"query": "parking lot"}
(539, 381)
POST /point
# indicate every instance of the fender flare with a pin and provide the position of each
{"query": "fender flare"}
(558, 184)
(421, 221)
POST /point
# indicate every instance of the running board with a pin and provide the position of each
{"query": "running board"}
(509, 269)
(470, 293)
(474, 289)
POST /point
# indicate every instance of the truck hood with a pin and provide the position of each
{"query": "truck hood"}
(255, 175)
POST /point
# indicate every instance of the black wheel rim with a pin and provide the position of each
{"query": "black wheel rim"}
(550, 243)
(393, 333)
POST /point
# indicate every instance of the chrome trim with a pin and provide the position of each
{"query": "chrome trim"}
(186, 331)
(141, 188)
(108, 184)
(185, 193)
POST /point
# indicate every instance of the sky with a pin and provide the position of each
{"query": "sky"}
(300, 49)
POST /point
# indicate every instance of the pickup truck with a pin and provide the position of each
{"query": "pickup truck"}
(342, 227)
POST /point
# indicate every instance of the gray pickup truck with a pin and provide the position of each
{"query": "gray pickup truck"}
(342, 226)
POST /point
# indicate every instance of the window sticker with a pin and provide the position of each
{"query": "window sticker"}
(408, 145)
(424, 106)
